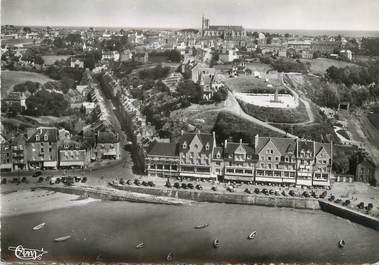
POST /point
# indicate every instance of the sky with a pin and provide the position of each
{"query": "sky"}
(254, 14)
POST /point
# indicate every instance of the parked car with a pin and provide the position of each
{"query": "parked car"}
(265, 191)
(338, 201)
(84, 179)
(214, 188)
(23, 180)
(40, 179)
(361, 205)
(184, 185)
(284, 193)
(346, 203)
(199, 187)
(144, 183)
(248, 191)
(37, 174)
(256, 190)
(306, 194)
(122, 181)
(151, 184)
(3, 181)
(190, 186)
(271, 192)
(291, 193)
(137, 182)
(331, 198)
(177, 185)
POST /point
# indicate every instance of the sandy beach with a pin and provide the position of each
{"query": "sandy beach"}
(28, 201)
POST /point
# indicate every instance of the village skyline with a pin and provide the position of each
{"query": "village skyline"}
(272, 14)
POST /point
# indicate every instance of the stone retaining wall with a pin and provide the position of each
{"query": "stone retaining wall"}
(350, 214)
(221, 197)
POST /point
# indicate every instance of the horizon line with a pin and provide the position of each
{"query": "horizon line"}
(176, 28)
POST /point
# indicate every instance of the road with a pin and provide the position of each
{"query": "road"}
(305, 101)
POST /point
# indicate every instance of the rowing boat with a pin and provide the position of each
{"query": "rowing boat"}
(201, 226)
(38, 227)
(63, 238)
(140, 245)
(252, 235)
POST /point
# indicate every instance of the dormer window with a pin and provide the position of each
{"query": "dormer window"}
(218, 155)
(207, 146)
(185, 145)
(37, 137)
(45, 137)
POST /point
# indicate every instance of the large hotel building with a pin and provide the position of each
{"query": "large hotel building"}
(267, 160)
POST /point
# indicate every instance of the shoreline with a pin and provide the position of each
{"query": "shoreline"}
(22, 202)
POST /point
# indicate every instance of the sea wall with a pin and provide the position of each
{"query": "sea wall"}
(222, 197)
(104, 193)
(350, 214)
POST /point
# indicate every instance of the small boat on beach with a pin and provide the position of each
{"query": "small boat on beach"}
(140, 245)
(38, 227)
(63, 238)
(252, 235)
(170, 256)
(216, 243)
(201, 226)
(341, 243)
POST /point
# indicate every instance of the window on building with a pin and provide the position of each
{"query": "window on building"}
(207, 146)
(271, 151)
(269, 158)
(45, 138)
(277, 158)
(37, 137)
(269, 166)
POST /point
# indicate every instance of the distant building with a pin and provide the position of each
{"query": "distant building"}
(19, 154)
(76, 62)
(223, 32)
(364, 170)
(141, 57)
(346, 54)
(326, 47)
(15, 101)
(110, 56)
(5, 156)
(126, 56)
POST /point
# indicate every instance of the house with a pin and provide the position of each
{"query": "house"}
(19, 154)
(141, 57)
(326, 46)
(201, 69)
(76, 62)
(239, 160)
(5, 156)
(42, 147)
(172, 81)
(224, 32)
(162, 160)
(322, 172)
(229, 56)
(365, 169)
(346, 54)
(72, 154)
(110, 56)
(126, 56)
(107, 146)
(15, 101)
(195, 154)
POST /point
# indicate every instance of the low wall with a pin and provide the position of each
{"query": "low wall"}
(350, 214)
(219, 197)
(115, 195)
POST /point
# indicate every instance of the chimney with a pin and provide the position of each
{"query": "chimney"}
(225, 143)
(181, 132)
(214, 138)
(256, 141)
(240, 141)
(198, 131)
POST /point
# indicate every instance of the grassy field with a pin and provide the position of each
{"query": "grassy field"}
(51, 59)
(374, 116)
(318, 66)
(11, 78)
(231, 126)
(246, 84)
(277, 115)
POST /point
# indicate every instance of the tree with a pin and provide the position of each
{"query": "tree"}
(59, 43)
(74, 38)
(46, 103)
(190, 90)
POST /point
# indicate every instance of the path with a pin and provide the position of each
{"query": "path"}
(305, 102)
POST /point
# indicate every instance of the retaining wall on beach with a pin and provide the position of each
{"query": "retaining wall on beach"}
(350, 214)
(116, 195)
(221, 197)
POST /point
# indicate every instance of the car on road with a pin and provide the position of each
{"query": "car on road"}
(137, 182)
(151, 184)
(247, 190)
(184, 185)
(37, 174)
(177, 185)
(190, 186)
